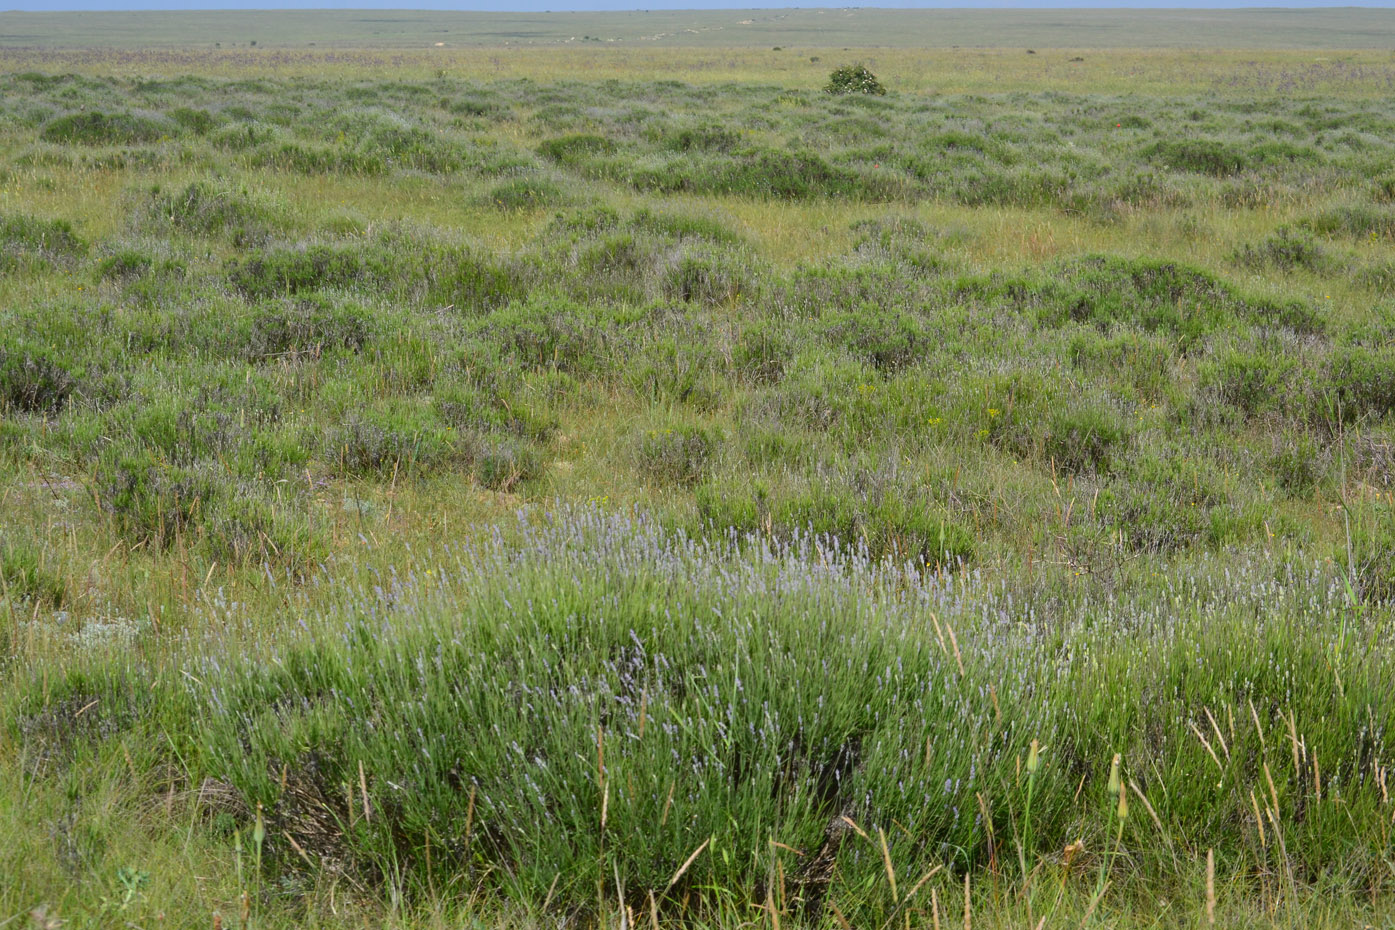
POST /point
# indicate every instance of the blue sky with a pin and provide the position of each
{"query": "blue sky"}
(537, 5)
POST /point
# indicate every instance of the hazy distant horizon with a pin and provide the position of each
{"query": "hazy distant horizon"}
(49, 6)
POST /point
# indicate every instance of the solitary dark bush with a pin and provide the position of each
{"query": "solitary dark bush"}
(854, 79)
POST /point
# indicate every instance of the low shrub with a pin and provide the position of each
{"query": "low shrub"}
(286, 272)
(854, 79)
(676, 456)
(31, 381)
(1289, 249)
(502, 463)
(97, 128)
(890, 526)
(27, 238)
(204, 209)
(1085, 438)
(573, 150)
(150, 501)
(307, 326)
(1198, 156)
(526, 194)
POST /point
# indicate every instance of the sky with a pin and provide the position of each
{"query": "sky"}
(535, 5)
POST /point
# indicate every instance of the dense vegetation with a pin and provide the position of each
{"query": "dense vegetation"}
(442, 500)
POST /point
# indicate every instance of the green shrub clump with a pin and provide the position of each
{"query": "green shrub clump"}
(854, 79)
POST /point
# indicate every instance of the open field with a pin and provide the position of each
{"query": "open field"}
(535, 488)
(1339, 29)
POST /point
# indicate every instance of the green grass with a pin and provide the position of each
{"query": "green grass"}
(458, 498)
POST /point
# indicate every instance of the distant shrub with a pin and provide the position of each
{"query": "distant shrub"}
(770, 173)
(886, 340)
(501, 463)
(303, 159)
(684, 226)
(1367, 555)
(526, 194)
(98, 128)
(547, 333)
(125, 264)
(1288, 249)
(204, 209)
(705, 277)
(1377, 276)
(199, 122)
(762, 351)
(703, 138)
(244, 528)
(854, 79)
(1155, 296)
(288, 272)
(1249, 382)
(1359, 384)
(392, 441)
(1160, 504)
(292, 328)
(758, 173)
(574, 149)
(1384, 188)
(1199, 156)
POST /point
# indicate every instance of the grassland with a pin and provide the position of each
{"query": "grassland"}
(523, 487)
(1256, 29)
